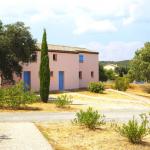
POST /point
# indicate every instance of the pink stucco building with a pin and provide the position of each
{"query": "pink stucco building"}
(70, 68)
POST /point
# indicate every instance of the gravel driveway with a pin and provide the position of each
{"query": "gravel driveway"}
(113, 109)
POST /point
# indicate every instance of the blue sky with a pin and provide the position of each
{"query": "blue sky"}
(115, 28)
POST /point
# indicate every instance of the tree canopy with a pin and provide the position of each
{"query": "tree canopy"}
(140, 65)
(16, 47)
(102, 73)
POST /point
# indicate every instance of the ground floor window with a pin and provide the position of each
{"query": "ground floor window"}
(51, 73)
(92, 74)
(80, 74)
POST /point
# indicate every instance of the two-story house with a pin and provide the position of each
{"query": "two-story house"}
(70, 68)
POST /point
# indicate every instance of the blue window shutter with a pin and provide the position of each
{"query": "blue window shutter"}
(81, 58)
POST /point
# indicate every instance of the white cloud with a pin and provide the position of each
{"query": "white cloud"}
(137, 12)
(86, 24)
(86, 15)
(116, 50)
(132, 13)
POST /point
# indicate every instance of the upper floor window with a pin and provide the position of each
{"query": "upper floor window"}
(81, 58)
(54, 57)
(92, 74)
(34, 57)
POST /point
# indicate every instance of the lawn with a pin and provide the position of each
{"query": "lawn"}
(66, 136)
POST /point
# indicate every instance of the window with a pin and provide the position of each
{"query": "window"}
(80, 74)
(81, 58)
(54, 57)
(51, 74)
(92, 74)
(19, 75)
(34, 57)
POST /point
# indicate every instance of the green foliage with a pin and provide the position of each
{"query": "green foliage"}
(121, 71)
(146, 88)
(140, 65)
(121, 83)
(110, 74)
(16, 45)
(63, 101)
(90, 118)
(16, 97)
(134, 130)
(44, 70)
(96, 87)
(102, 73)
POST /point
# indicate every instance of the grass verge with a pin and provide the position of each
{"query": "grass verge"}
(40, 106)
(65, 136)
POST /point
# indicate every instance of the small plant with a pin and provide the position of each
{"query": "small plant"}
(146, 88)
(89, 118)
(121, 83)
(134, 130)
(96, 87)
(15, 97)
(63, 101)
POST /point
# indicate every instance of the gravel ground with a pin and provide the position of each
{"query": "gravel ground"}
(114, 109)
(22, 136)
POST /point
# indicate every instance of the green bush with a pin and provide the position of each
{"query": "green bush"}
(96, 87)
(146, 88)
(121, 83)
(89, 118)
(134, 130)
(63, 101)
(15, 97)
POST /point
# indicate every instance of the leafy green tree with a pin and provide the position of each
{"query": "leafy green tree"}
(102, 73)
(110, 74)
(121, 71)
(16, 47)
(140, 65)
(44, 70)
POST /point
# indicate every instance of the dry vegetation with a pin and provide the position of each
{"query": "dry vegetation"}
(138, 90)
(106, 94)
(47, 107)
(65, 136)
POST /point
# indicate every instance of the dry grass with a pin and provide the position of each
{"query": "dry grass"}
(107, 94)
(65, 136)
(138, 90)
(109, 85)
(47, 107)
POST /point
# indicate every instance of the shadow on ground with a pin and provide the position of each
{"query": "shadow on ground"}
(4, 137)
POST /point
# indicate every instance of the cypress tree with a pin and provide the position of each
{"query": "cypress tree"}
(44, 70)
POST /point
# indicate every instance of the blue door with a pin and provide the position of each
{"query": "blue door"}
(61, 80)
(27, 80)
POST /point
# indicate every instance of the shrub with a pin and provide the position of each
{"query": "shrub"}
(121, 83)
(96, 87)
(146, 88)
(89, 118)
(16, 97)
(135, 131)
(63, 100)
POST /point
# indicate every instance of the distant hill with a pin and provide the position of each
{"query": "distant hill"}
(122, 63)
